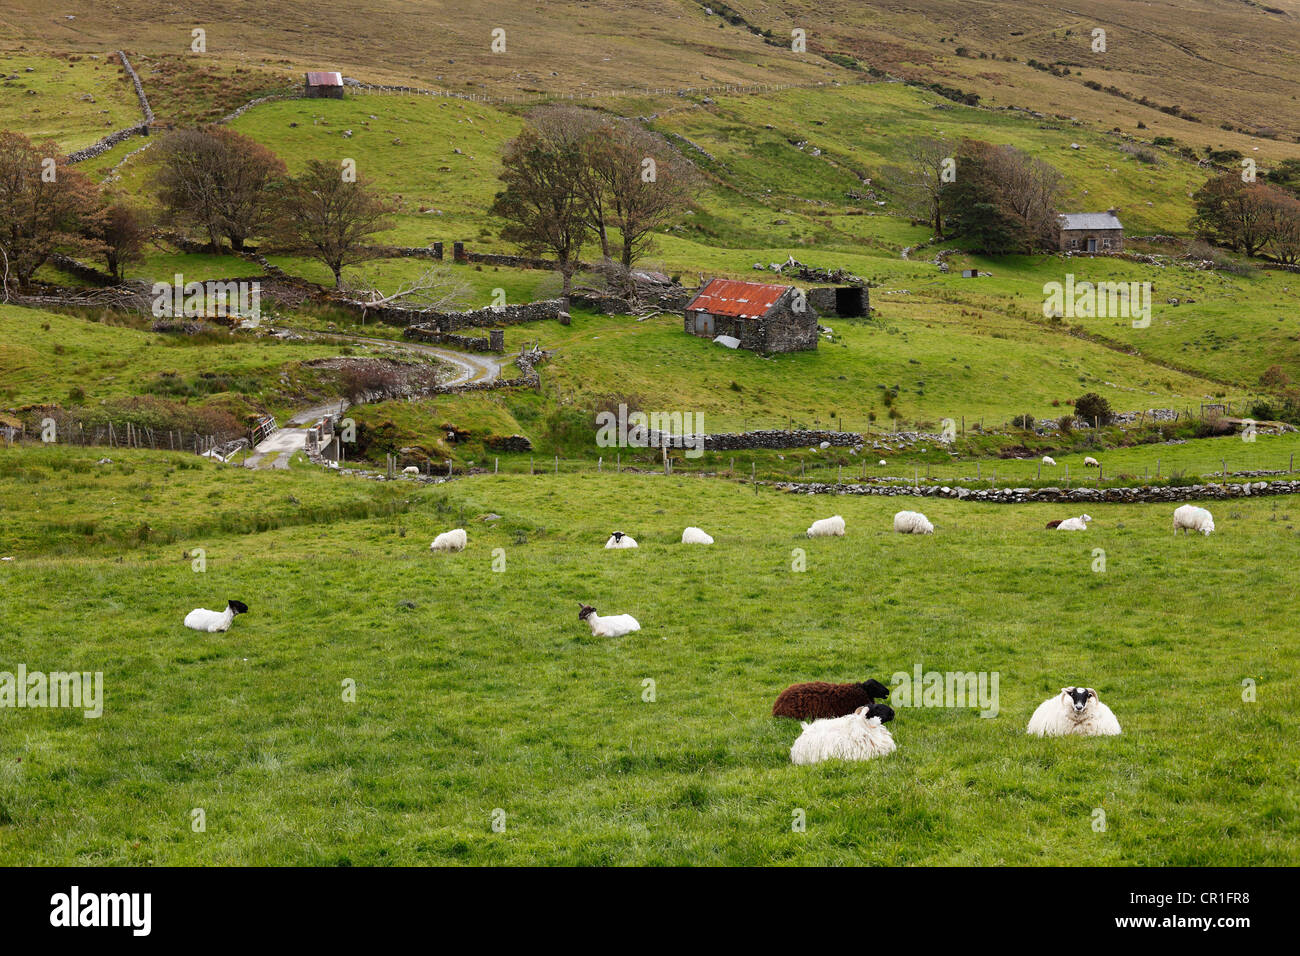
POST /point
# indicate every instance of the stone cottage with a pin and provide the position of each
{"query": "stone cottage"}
(324, 85)
(1098, 232)
(765, 318)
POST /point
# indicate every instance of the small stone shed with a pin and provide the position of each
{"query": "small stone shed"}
(765, 318)
(1097, 232)
(324, 85)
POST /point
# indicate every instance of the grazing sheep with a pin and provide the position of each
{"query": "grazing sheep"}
(832, 527)
(410, 470)
(201, 619)
(860, 735)
(696, 536)
(1074, 711)
(1049, 460)
(616, 625)
(1090, 462)
(450, 541)
(1192, 518)
(912, 522)
(620, 540)
(821, 699)
(1075, 524)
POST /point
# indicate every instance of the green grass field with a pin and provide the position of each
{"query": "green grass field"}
(480, 691)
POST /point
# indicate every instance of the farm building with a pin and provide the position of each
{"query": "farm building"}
(324, 85)
(1091, 232)
(765, 318)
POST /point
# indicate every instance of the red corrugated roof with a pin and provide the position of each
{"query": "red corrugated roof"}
(733, 297)
(324, 79)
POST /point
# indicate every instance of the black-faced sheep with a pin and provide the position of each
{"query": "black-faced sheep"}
(821, 699)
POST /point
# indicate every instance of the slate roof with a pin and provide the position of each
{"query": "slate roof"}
(1089, 220)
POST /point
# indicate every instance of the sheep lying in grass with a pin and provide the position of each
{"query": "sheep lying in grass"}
(450, 541)
(882, 463)
(410, 470)
(201, 619)
(1049, 460)
(1191, 518)
(1075, 524)
(1090, 462)
(696, 536)
(816, 699)
(912, 522)
(832, 527)
(615, 625)
(1074, 711)
(860, 735)
(620, 540)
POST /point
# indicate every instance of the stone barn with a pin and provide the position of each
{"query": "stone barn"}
(324, 85)
(1098, 232)
(765, 318)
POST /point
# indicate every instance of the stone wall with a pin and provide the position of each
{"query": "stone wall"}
(472, 343)
(121, 135)
(438, 321)
(1200, 492)
(738, 441)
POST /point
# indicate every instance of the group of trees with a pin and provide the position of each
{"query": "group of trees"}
(1251, 218)
(212, 181)
(574, 174)
(998, 197)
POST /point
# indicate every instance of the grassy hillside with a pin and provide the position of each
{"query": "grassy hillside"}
(73, 99)
(479, 690)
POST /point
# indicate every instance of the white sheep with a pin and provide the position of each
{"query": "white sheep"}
(201, 619)
(1192, 518)
(696, 536)
(832, 527)
(912, 522)
(1075, 524)
(615, 625)
(860, 735)
(454, 540)
(1074, 711)
(620, 540)
(882, 463)
(410, 470)
(1090, 462)
(1049, 460)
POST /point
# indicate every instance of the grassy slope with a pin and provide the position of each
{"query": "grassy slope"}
(490, 694)
(48, 103)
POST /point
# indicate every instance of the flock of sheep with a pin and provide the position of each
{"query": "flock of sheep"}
(847, 720)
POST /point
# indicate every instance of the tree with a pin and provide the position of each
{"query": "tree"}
(645, 183)
(1284, 228)
(330, 218)
(121, 233)
(544, 202)
(220, 180)
(1092, 407)
(1232, 213)
(919, 183)
(45, 206)
(1003, 199)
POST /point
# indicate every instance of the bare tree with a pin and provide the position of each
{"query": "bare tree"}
(544, 203)
(121, 232)
(219, 179)
(45, 205)
(919, 183)
(438, 287)
(331, 218)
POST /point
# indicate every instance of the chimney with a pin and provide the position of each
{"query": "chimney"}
(1112, 212)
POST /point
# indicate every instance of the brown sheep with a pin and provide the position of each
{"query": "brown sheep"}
(1054, 523)
(820, 699)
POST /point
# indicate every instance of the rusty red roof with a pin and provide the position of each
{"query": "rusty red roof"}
(318, 78)
(748, 300)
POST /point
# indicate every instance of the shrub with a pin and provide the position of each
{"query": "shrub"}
(1274, 377)
(1066, 423)
(1093, 408)
(1025, 421)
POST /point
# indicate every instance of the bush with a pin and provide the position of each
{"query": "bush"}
(1066, 423)
(1093, 408)
(1023, 421)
